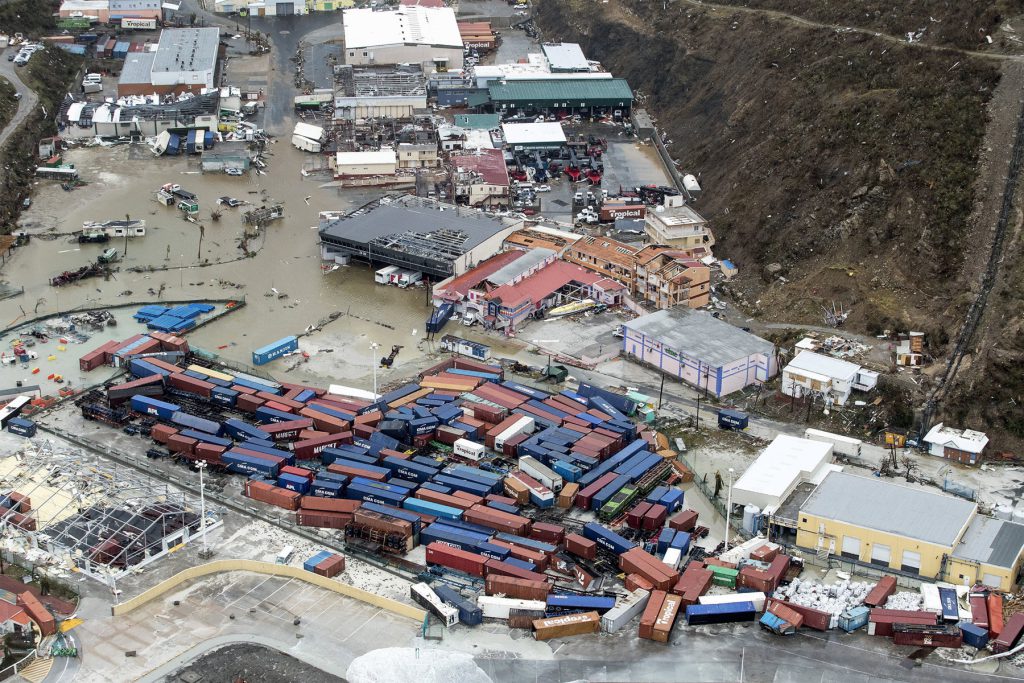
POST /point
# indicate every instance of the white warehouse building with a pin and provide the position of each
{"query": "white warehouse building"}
(787, 462)
(406, 35)
(812, 373)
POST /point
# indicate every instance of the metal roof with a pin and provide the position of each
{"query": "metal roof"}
(523, 264)
(700, 335)
(992, 541)
(478, 121)
(828, 366)
(533, 133)
(405, 25)
(187, 49)
(871, 503)
(138, 67)
(565, 57)
(787, 461)
(569, 90)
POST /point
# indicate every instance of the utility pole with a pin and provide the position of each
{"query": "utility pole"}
(202, 233)
(373, 348)
(201, 465)
(661, 391)
(728, 509)
(127, 221)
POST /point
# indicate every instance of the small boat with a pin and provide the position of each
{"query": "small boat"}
(570, 309)
(230, 201)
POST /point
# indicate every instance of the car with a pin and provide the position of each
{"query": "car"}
(234, 171)
(543, 188)
(10, 57)
(17, 95)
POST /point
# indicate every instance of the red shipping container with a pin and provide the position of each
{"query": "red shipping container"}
(1010, 634)
(791, 617)
(370, 418)
(877, 596)
(581, 547)
(522, 589)
(497, 520)
(549, 533)
(666, 618)
(298, 471)
(495, 498)
(636, 561)
(245, 390)
(449, 435)
(755, 579)
(330, 567)
(442, 499)
(98, 356)
(210, 452)
(650, 613)
(299, 388)
(387, 452)
(181, 444)
(813, 618)
(927, 636)
(502, 426)
(311, 448)
(363, 431)
(348, 471)
(881, 621)
(324, 520)
(162, 432)
(979, 610)
(453, 558)
(683, 521)
(586, 495)
(329, 504)
(275, 405)
(468, 497)
(307, 434)
(636, 582)
(506, 569)
(38, 613)
(191, 385)
(537, 558)
(265, 493)
(247, 403)
(635, 517)
(287, 430)
(281, 400)
(995, 614)
(325, 422)
(20, 502)
(511, 446)
(695, 582)
(654, 518)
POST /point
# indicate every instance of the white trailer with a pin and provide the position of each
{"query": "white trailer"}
(673, 556)
(408, 278)
(844, 445)
(424, 596)
(470, 450)
(305, 144)
(757, 598)
(525, 425)
(315, 133)
(494, 607)
(383, 276)
(541, 472)
(625, 611)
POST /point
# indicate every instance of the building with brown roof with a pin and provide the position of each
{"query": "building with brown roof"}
(604, 255)
(668, 277)
(541, 237)
(480, 178)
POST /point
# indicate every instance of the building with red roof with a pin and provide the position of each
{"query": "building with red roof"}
(480, 178)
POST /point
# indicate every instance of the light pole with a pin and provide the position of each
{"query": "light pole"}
(728, 510)
(538, 342)
(373, 348)
(181, 272)
(201, 465)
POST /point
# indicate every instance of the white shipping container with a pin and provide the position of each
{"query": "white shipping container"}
(495, 607)
(541, 472)
(524, 425)
(673, 556)
(469, 449)
(625, 611)
(309, 131)
(843, 445)
(423, 595)
(757, 598)
(305, 144)
(383, 276)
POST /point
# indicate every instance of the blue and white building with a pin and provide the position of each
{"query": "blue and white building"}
(700, 349)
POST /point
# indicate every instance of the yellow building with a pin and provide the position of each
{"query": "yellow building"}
(328, 5)
(912, 531)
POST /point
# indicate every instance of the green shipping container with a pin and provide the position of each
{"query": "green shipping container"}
(723, 576)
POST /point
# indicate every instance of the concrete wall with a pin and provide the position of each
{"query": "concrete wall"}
(484, 250)
(271, 569)
(404, 54)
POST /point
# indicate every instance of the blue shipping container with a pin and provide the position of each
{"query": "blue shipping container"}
(719, 614)
(323, 488)
(264, 355)
(21, 427)
(372, 495)
(450, 537)
(469, 613)
(194, 422)
(607, 538)
(151, 406)
(293, 482)
(673, 500)
(430, 508)
(583, 603)
(495, 552)
(246, 464)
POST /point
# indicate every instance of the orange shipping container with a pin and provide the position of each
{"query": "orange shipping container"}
(650, 614)
(666, 618)
(567, 625)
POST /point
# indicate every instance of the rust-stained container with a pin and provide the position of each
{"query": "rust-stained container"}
(210, 452)
(549, 533)
(881, 621)
(322, 519)
(310, 449)
(22, 521)
(581, 547)
(790, 616)
(512, 587)
(635, 517)
(636, 561)
(666, 618)
(161, 433)
(295, 406)
(298, 472)
(517, 489)
(650, 614)
(715, 562)
(765, 553)
(247, 403)
(38, 613)
(506, 569)
(453, 558)
(363, 431)
(566, 625)
(994, 602)
(877, 596)
(275, 405)
(497, 520)
(635, 582)
(311, 434)
(654, 518)
(683, 521)
(586, 495)
(330, 504)
(266, 493)
(923, 635)
(813, 618)
(248, 391)
(524, 618)
(176, 443)
(191, 385)
(20, 502)
(1010, 633)
(383, 523)
(510, 448)
(352, 471)
(567, 496)
(502, 426)
(469, 497)
(449, 435)
(97, 357)
(442, 499)
(287, 430)
(695, 582)
(370, 418)
(504, 500)
(324, 422)
(755, 579)
(539, 559)
(330, 567)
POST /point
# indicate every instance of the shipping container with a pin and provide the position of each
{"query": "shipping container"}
(950, 611)
(625, 611)
(424, 596)
(974, 635)
(922, 635)
(581, 547)
(607, 538)
(513, 587)
(21, 427)
(759, 599)
(650, 614)
(566, 625)
(541, 473)
(666, 618)
(881, 621)
(453, 558)
(431, 508)
(699, 615)
(1010, 633)
(578, 603)
(494, 607)
(331, 566)
(152, 406)
(854, 618)
(189, 421)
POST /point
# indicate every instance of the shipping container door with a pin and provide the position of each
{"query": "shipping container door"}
(993, 581)
(911, 562)
(851, 547)
(285, 9)
(881, 554)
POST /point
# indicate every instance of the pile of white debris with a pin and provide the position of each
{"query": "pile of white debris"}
(419, 665)
(835, 598)
(905, 600)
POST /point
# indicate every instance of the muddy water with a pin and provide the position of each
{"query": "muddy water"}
(122, 180)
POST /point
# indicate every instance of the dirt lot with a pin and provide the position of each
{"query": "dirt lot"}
(252, 663)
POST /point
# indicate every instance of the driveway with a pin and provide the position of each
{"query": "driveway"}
(28, 100)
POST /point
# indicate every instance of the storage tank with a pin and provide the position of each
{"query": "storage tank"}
(751, 518)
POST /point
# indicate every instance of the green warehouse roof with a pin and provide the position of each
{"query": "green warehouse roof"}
(478, 121)
(599, 91)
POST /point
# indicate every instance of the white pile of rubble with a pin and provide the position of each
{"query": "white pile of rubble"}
(419, 665)
(834, 599)
(905, 600)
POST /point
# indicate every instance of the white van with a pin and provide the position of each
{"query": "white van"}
(285, 555)
(409, 277)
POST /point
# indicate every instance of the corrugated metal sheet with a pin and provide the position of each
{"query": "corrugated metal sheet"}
(605, 91)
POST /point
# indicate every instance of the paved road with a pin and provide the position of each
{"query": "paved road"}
(28, 100)
(65, 669)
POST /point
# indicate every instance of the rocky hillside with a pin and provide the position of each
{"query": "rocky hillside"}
(854, 166)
